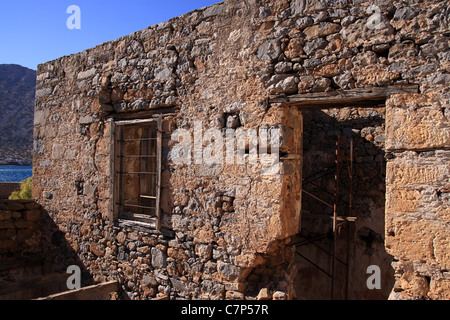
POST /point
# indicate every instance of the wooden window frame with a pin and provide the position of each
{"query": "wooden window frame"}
(117, 214)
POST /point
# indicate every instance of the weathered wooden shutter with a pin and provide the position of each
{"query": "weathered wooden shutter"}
(158, 170)
(139, 212)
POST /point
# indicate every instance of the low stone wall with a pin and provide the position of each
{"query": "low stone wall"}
(19, 227)
(6, 188)
(33, 255)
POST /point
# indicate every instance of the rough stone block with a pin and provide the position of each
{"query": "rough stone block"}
(5, 215)
(235, 286)
(57, 151)
(16, 214)
(21, 224)
(32, 205)
(439, 289)
(41, 93)
(322, 29)
(158, 258)
(15, 205)
(269, 50)
(410, 173)
(264, 294)
(7, 234)
(417, 240)
(204, 251)
(214, 10)
(178, 285)
(27, 234)
(33, 215)
(6, 225)
(417, 121)
(86, 74)
(402, 200)
(234, 295)
(8, 244)
(86, 120)
(228, 271)
(96, 249)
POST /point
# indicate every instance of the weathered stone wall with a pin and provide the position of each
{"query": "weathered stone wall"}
(417, 206)
(219, 65)
(225, 218)
(19, 228)
(6, 188)
(417, 142)
(34, 256)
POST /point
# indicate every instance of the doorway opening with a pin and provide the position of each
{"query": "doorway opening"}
(343, 204)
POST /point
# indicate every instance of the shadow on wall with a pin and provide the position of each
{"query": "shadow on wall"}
(34, 254)
(6, 188)
(364, 241)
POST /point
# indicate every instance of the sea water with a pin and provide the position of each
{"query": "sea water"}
(15, 173)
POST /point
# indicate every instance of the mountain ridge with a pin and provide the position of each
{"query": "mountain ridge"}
(17, 93)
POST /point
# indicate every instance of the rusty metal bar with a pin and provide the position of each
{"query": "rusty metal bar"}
(335, 215)
(312, 242)
(315, 265)
(308, 241)
(317, 198)
(350, 212)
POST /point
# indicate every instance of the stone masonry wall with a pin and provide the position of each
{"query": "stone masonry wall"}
(417, 206)
(19, 228)
(226, 219)
(6, 188)
(220, 65)
(34, 256)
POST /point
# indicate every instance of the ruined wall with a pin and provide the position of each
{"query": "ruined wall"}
(220, 65)
(34, 256)
(19, 226)
(225, 219)
(6, 188)
(417, 206)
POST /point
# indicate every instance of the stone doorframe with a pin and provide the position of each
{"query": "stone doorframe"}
(359, 97)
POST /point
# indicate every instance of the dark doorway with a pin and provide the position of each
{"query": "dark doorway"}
(344, 172)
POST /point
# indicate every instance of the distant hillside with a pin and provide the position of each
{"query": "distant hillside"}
(17, 90)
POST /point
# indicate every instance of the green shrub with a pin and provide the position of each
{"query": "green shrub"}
(25, 190)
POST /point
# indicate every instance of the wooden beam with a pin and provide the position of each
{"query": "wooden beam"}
(112, 172)
(135, 121)
(159, 171)
(345, 98)
(145, 114)
(96, 292)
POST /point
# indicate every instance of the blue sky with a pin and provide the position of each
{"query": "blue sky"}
(33, 32)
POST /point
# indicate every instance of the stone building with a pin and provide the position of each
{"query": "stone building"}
(256, 149)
